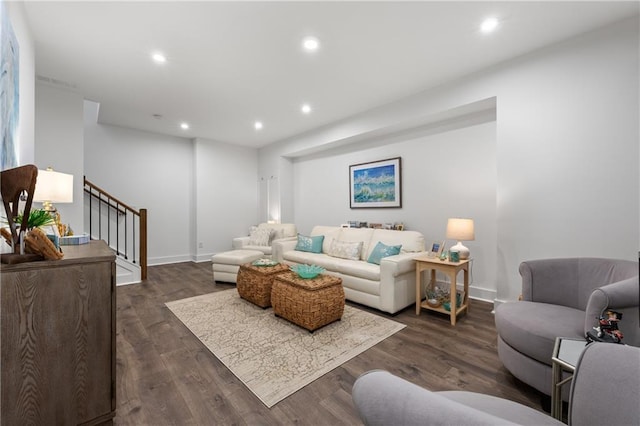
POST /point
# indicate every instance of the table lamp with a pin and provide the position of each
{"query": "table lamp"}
(461, 230)
(53, 187)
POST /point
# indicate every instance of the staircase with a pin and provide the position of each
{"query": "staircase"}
(122, 227)
(127, 272)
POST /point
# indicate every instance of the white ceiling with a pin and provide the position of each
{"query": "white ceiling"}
(231, 63)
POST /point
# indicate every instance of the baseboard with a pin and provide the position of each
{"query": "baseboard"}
(152, 261)
(481, 293)
(179, 259)
(199, 258)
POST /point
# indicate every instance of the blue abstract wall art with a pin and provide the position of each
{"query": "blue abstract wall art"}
(9, 91)
(375, 184)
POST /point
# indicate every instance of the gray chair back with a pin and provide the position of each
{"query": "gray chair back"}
(606, 387)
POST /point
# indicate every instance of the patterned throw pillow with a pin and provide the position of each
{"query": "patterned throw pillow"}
(382, 250)
(345, 250)
(310, 244)
(260, 237)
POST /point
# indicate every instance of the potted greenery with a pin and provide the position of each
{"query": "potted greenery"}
(37, 219)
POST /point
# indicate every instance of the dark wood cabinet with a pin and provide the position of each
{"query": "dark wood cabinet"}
(58, 343)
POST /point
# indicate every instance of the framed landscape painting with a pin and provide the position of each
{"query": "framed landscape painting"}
(375, 184)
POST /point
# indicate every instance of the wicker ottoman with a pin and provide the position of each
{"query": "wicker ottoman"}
(309, 303)
(254, 282)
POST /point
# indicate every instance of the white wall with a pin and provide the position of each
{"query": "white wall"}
(50, 126)
(226, 188)
(26, 134)
(567, 152)
(60, 144)
(199, 194)
(566, 149)
(449, 174)
(147, 170)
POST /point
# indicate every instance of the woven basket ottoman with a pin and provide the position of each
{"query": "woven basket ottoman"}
(254, 282)
(225, 265)
(309, 303)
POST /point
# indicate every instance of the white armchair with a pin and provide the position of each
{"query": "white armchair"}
(262, 237)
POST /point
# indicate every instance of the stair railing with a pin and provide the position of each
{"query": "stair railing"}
(118, 217)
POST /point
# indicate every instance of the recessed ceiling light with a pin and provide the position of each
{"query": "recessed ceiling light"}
(489, 25)
(184, 126)
(159, 58)
(311, 44)
(306, 108)
(257, 125)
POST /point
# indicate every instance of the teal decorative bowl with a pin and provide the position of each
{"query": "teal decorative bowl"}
(307, 271)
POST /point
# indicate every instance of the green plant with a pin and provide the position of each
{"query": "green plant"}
(37, 218)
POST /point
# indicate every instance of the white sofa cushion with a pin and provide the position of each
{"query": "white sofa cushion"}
(324, 260)
(266, 250)
(330, 233)
(368, 271)
(355, 235)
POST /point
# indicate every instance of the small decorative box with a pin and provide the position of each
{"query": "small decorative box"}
(74, 240)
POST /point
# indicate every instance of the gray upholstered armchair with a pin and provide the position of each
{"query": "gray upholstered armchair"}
(605, 390)
(563, 298)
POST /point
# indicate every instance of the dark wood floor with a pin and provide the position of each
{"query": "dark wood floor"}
(166, 376)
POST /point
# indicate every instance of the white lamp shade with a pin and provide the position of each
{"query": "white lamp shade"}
(54, 187)
(460, 229)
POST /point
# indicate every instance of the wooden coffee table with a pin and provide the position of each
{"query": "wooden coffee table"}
(254, 282)
(309, 303)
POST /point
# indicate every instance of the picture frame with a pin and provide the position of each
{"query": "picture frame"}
(436, 248)
(376, 184)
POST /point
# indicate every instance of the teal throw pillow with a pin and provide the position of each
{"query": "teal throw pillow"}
(310, 244)
(382, 250)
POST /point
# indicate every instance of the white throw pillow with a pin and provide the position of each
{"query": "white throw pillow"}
(345, 250)
(260, 237)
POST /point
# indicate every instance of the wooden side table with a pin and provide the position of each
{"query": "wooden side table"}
(451, 269)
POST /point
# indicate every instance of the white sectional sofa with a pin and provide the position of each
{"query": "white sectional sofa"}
(389, 286)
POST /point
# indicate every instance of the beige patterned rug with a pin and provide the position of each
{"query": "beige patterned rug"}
(271, 356)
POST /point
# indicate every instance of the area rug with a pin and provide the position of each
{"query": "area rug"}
(271, 356)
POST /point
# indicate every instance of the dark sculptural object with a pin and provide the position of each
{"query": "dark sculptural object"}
(607, 330)
(13, 184)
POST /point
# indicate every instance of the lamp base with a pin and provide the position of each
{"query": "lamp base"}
(462, 250)
(48, 207)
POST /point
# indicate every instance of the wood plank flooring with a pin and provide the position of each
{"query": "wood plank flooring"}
(165, 376)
